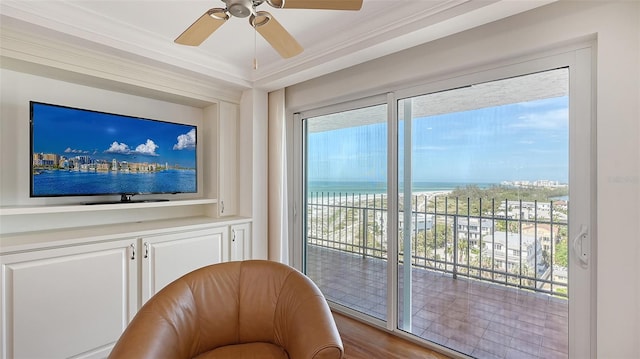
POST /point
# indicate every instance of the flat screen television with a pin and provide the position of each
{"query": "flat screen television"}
(77, 152)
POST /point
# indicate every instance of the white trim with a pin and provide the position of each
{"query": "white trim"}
(344, 106)
(53, 58)
(582, 176)
(295, 220)
(392, 207)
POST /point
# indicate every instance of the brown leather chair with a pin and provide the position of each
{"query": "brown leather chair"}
(249, 309)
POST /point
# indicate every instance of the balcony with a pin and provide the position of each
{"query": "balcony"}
(486, 278)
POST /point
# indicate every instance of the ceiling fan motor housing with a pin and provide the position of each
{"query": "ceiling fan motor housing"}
(240, 8)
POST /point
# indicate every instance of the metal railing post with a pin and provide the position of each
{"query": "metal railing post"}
(365, 230)
(455, 244)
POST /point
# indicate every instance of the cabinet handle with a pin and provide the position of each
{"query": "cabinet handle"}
(133, 252)
(222, 205)
(233, 238)
(146, 250)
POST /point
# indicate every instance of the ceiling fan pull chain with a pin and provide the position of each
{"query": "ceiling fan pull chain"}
(255, 48)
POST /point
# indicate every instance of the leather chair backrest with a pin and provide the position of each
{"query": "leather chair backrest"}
(236, 303)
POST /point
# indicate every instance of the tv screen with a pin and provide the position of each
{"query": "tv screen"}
(76, 152)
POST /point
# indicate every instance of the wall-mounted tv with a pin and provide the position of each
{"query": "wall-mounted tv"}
(77, 152)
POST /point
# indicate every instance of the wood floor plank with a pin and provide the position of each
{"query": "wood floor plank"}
(364, 341)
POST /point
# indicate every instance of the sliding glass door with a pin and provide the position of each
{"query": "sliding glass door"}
(458, 213)
(346, 207)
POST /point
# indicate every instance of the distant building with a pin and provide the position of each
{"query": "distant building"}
(542, 231)
(473, 229)
(45, 159)
(524, 210)
(420, 222)
(509, 250)
(102, 167)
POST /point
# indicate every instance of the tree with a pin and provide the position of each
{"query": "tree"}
(561, 254)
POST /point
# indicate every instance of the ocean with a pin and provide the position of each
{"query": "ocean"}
(58, 182)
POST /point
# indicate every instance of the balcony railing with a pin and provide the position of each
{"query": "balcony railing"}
(514, 243)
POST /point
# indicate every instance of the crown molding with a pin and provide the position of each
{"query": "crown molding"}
(421, 27)
(108, 47)
(98, 31)
(73, 62)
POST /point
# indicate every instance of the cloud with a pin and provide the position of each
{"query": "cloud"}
(431, 148)
(148, 148)
(70, 150)
(543, 120)
(186, 141)
(119, 148)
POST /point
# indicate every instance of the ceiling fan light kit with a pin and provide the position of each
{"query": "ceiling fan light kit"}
(264, 23)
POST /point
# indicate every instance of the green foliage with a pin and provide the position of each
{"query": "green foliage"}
(561, 254)
(474, 201)
(562, 290)
(501, 193)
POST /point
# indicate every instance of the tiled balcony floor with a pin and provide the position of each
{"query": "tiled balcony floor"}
(479, 319)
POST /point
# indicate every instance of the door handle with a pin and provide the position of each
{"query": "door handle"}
(581, 246)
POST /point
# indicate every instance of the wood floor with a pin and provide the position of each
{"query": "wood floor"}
(364, 341)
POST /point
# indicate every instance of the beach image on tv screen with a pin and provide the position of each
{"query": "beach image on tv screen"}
(78, 152)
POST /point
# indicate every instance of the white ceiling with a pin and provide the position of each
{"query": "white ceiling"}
(333, 40)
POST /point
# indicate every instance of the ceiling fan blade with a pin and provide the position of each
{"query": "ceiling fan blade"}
(202, 28)
(275, 34)
(317, 4)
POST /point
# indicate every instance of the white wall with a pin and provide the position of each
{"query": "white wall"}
(615, 25)
(253, 167)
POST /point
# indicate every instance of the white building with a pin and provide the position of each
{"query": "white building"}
(510, 250)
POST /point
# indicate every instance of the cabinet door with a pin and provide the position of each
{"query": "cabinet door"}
(65, 302)
(228, 159)
(168, 257)
(240, 248)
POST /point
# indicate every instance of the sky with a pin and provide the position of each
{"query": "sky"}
(72, 132)
(521, 141)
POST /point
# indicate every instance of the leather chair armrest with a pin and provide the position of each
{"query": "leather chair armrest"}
(304, 324)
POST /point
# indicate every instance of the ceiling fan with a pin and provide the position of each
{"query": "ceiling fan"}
(262, 21)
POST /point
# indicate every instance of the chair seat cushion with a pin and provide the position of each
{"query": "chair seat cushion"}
(246, 351)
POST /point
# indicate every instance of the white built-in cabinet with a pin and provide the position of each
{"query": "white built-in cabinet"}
(167, 257)
(67, 302)
(73, 276)
(240, 242)
(74, 295)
